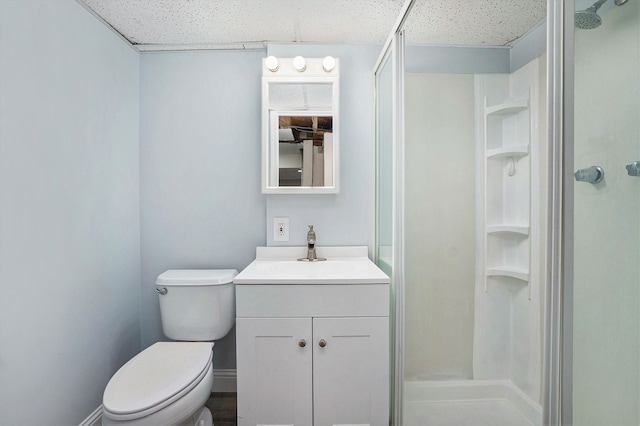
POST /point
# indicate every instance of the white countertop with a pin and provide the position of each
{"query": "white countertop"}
(344, 265)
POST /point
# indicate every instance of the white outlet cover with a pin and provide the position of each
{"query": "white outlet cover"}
(280, 229)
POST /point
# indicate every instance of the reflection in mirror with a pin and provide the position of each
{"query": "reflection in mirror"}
(304, 142)
(302, 115)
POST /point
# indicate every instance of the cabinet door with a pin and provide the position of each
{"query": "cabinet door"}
(351, 371)
(274, 371)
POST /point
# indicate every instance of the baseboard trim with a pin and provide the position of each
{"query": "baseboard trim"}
(94, 419)
(225, 380)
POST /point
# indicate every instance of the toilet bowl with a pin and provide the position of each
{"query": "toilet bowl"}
(170, 382)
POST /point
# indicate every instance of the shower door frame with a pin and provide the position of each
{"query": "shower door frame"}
(558, 380)
(393, 51)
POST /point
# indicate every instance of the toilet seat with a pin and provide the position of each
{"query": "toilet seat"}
(156, 378)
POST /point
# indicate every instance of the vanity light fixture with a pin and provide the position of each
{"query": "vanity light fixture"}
(299, 63)
(272, 63)
(328, 63)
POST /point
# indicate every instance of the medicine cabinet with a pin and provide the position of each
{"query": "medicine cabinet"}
(300, 126)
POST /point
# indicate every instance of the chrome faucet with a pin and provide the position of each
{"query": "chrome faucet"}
(311, 244)
(311, 247)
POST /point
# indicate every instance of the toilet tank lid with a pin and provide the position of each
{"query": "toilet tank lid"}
(194, 277)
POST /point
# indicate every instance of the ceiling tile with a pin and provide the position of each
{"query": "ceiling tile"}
(202, 22)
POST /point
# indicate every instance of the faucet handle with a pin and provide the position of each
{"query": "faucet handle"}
(633, 169)
(311, 235)
(593, 174)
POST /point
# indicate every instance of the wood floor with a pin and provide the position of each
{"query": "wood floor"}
(223, 408)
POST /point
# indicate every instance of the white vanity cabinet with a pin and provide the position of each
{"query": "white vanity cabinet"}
(313, 353)
(349, 375)
(274, 372)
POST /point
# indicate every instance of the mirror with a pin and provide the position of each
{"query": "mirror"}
(300, 128)
(304, 142)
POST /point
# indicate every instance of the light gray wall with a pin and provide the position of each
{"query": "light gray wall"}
(346, 218)
(456, 59)
(69, 211)
(201, 205)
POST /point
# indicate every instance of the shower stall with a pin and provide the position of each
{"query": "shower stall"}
(460, 207)
(508, 203)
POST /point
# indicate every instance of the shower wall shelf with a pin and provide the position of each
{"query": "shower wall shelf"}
(508, 272)
(517, 151)
(508, 229)
(511, 183)
(508, 107)
(506, 142)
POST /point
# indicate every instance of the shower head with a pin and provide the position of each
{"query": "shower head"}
(589, 19)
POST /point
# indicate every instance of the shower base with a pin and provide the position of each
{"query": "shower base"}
(468, 402)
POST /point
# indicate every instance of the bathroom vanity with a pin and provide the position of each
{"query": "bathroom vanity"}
(312, 339)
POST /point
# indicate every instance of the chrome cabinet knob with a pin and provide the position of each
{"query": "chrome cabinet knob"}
(322, 343)
(302, 343)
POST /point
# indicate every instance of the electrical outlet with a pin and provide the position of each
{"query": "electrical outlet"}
(280, 229)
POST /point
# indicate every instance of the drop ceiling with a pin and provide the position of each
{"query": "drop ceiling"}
(194, 24)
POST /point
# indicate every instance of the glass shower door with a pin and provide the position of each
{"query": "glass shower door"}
(605, 368)
(384, 166)
(385, 244)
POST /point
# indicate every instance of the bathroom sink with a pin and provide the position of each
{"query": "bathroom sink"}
(279, 265)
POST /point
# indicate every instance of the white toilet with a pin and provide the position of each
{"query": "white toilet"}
(169, 382)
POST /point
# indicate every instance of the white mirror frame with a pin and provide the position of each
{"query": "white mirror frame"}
(285, 73)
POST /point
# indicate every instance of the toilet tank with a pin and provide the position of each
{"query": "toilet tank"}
(197, 304)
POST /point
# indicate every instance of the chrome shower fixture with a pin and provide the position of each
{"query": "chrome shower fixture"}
(589, 19)
(593, 174)
(633, 169)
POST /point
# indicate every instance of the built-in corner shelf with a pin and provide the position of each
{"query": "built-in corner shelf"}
(507, 189)
(508, 229)
(505, 271)
(516, 151)
(509, 107)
